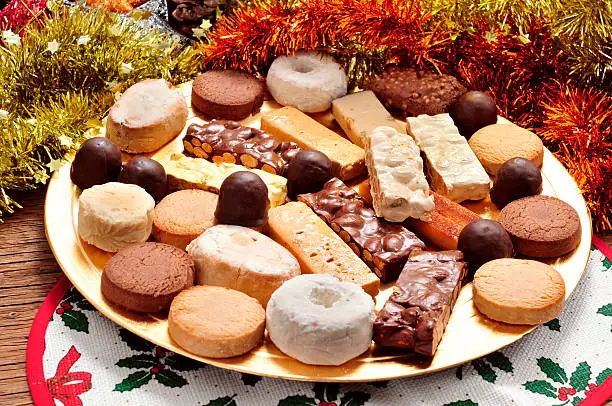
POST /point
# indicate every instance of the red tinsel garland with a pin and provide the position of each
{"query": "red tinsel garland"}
(524, 73)
(18, 13)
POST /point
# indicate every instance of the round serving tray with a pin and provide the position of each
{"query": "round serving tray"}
(469, 334)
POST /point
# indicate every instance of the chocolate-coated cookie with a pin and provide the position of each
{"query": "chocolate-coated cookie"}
(227, 94)
(541, 226)
(415, 92)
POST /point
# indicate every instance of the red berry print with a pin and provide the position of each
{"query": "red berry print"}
(160, 352)
(323, 404)
(66, 305)
(60, 311)
(154, 370)
(571, 391)
(332, 404)
(588, 392)
(160, 367)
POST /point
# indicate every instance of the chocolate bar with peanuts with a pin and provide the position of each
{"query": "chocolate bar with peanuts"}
(382, 245)
(228, 141)
(416, 314)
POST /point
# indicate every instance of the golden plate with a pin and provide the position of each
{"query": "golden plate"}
(468, 335)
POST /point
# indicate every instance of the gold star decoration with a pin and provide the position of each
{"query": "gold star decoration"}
(54, 165)
(53, 46)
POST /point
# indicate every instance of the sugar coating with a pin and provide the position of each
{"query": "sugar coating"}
(398, 184)
(454, 170)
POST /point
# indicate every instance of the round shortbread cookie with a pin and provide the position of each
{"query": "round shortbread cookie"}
(518, 291)
(497, 143)
(182, 216)
(216, 322)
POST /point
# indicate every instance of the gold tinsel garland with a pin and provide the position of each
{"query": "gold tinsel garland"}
(59, 78)
(582, 29)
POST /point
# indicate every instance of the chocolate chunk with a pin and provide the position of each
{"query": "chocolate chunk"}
(415, 92)
(418, 310)
(243, 200)
(98, 161)
(516, 178)
(473, 111)
(382, 245)
(307, 172)
(148, 174)
(228, 141)
(482, 241)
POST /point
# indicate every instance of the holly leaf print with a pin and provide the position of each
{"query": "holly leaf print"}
(249, 379)
(133, 381)
(603, 375)
(484, 370)
(553, 325)
(319, 391)
(354, 399)
(552, 370)
(326, 391)
(138, 361)
(467, 402)
(459, 373)
(180, 363)
(606, 310)
(581, 376)
(224, 401)
(170, 378)
(576, 400)
(76, 320)
(134, 342)
(499, 360)
(331, 391)
(297, 400)
(607, 264)
(541, 387)
(85, 305)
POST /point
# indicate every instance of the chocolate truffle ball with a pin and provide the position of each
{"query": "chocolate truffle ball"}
(482, 241)
(516, 178)
(146, 173)
(473, 111)
(243, 200)
(307, 173)
(98, 161)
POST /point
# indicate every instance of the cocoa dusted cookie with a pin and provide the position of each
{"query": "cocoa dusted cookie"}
(146, 277)
(541, 226)
(227, 94)
(415, 92)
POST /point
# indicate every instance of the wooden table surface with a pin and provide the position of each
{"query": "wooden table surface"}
(28, 271)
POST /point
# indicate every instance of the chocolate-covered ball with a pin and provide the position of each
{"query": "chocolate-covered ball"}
(516, 178)
(482, 241)
(307, 173)
(98, 161)
(146, 173)
(243, 200)
(473, 111)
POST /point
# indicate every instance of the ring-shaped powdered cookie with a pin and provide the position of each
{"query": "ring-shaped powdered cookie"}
(309, 81)
(319, 320)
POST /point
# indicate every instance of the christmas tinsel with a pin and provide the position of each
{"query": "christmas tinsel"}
(60, 77)
(528, 55)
